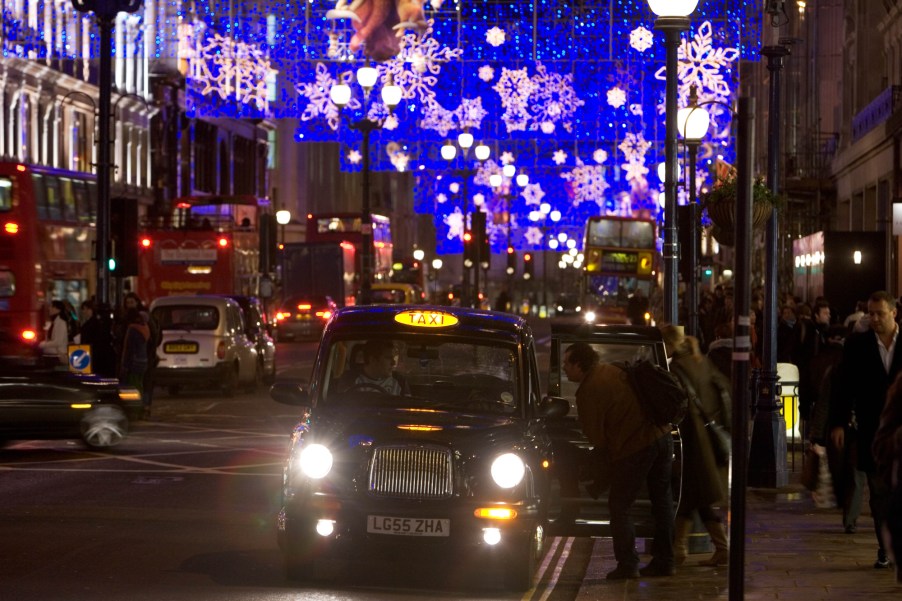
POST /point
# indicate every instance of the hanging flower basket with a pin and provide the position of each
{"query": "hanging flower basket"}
(720, 204)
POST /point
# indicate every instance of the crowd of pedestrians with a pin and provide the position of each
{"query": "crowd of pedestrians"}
(123, 343)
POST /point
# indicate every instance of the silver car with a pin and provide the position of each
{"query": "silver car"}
(204, 344)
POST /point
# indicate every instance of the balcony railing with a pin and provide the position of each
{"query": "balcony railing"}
(877, 112)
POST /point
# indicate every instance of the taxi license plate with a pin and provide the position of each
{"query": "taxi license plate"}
(381, 524)
(180, 347)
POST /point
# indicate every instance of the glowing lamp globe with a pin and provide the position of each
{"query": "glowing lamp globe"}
(672, 8)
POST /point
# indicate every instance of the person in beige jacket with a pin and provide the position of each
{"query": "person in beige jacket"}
(636, 452)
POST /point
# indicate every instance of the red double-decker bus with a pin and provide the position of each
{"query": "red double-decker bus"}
(208, 245)
(346, 228)
(47, 225)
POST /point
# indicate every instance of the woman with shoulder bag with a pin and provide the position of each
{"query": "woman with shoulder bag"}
(705, 449)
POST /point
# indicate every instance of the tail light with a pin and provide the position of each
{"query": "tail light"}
(29, 335)
(281, 315)
(11, 228)
(304, 307)
(223, 242)
(221, 350)
(146, 243)
(325, 315)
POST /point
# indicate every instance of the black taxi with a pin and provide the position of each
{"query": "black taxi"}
(423, 431)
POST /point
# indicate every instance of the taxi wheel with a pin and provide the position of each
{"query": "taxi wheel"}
(521, 562)
(104, 427)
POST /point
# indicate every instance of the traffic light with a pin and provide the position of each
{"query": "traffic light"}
(469, 249)
(481, 238)
(527, 266)
(511, 260)
(124, 237)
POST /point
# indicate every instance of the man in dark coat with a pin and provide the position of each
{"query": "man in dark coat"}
(870, 363)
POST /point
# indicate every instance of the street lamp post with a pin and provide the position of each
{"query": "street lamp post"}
(672, 19)
(283, 218)
(106, 12)
(449, 153)
(693, 125)
(340, 94)
(767, 462)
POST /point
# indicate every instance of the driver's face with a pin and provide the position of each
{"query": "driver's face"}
(380, 366)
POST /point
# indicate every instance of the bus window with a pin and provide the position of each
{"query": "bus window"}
(7, 283)
(92, 201)
(40, 196)
(638, 234)
(6, 194)
(67, 199)
(54, 205)
(604, 233)
(83, 207)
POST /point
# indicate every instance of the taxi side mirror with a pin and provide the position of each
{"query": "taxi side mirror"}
(290, 392)
(553, 406)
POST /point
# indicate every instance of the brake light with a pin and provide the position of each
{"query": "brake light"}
(146, 243)
(11, 228)
(282, 315)
(221, 350)
(304, 307)
(21, 168)
(223, 242)
(324, 314)
(29, 335)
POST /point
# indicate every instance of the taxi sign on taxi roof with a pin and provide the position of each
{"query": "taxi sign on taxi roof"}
(426, 319)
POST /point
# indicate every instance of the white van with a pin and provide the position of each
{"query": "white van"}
(204, 344)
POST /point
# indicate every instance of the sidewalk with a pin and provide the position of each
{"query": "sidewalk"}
(794, 551)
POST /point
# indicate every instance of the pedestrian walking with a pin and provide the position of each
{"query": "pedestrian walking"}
(811, 337)
(96, 332)
(133, 361)
(704, 478)
(638, 453)
(55, 346)
(887, 450)
(869, 365)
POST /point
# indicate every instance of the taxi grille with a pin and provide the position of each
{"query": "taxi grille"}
(411, 472)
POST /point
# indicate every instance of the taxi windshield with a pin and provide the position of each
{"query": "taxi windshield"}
(429, 371)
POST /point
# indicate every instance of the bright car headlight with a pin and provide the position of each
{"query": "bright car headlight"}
(508, 470)
(589, 316)
(315, 461)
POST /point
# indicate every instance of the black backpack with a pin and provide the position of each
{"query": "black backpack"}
(663, 399)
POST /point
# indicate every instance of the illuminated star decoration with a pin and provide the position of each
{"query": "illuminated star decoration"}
(533, 235)
(507, 158)
(616, 97)
(533, 194)
(641, 39)
(486, 73)
(441, 198)
(478, 200)
(559, 157)
(354, 157)
(455, 223)
(495, 36)
(600, 156)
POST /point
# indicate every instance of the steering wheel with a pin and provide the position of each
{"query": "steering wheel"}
(361, 386)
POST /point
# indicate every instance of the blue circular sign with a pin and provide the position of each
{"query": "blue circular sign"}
(80, 360)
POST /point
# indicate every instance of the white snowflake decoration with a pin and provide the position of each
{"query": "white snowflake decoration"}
(533, 235)
(635, 172)
(547, 127)
(555, 99)
(390, 122)
(441, 198)
(507, 158)
(242, 71)
(478, 200)
(616, 97)
(454, 187)
(514, 88)
(354, 157)
(703, 65)
(641, 39)
(587, 183)
(438, 118)
(495, 36)
(636, 109)
(533, 194)
(319, 104)
(600, 156)
(455, 223)
(634, 146)
(486, 73)
(470, 113)
(559, 157)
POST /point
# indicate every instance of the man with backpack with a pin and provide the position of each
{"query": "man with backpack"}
(637, 452)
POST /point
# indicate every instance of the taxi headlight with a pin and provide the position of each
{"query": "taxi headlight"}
(508, 470)
(589, 316)
(315, 461)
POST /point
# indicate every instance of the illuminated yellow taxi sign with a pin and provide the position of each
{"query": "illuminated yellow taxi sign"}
(426, 319)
